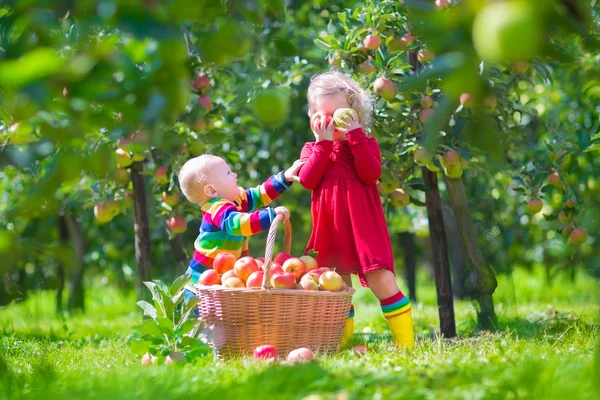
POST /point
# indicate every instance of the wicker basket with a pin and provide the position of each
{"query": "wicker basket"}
(244, 318)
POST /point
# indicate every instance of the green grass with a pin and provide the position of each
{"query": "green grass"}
(547, 350)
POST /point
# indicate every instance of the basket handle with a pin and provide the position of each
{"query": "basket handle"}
(287, 246)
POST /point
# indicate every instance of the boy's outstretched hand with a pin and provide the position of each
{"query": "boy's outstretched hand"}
(283, 211)
(291, 174)
(321, 129)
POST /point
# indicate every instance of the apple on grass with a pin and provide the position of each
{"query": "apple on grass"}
(283, 280)
(294, 266)
(244, 267)
(148, 359)
(209, 277)
(265, 352)
(175, 357)
(301, 354)
(223, 262)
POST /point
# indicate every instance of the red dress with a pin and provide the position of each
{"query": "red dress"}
(349, 229)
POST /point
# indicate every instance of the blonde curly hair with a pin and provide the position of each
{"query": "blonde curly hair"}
(334, 82)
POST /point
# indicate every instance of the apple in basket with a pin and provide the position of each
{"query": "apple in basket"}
(228, 274)
(209, 277)
(244, 267)
(234, 282)
(283, 280)
(262, 259)
(330, 281)
(223, 262)
(301, 354)
(294, 266)
(280, 258)
(255, 279)
(265, 352)
(315, 274)
(309, 282)
(275, 268)
(310, 263)
(259, 263)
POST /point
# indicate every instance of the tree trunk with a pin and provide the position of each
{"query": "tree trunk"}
(456, 253)
(408, 242)
(439, 248)
(181, 257)
(142, 231)
(481, 282)
(76, 289)
(63, 235)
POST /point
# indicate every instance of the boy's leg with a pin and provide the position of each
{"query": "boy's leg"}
(394, 305)
(349, 327)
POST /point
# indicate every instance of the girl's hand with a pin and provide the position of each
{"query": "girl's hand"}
(283, 211)
(291, 174)
(348, 121)
(321, 129)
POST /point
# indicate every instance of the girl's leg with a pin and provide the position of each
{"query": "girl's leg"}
(394, 305)
(349, 327)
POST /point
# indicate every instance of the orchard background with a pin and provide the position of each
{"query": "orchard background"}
(487, 113)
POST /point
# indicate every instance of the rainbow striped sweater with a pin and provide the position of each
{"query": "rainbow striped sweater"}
(226, 225)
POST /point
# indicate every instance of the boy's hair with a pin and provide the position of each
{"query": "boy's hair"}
(334, 82)
(194, 175)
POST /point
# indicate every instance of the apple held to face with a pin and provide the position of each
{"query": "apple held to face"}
(301, 354)
(244, 267)
(223, 262)
(294, 266)
(342, 115)
(255, 279)
(209, 277)
(310, 263)
(265, 352)
(283, 280)
(330, 281)
(233, 282)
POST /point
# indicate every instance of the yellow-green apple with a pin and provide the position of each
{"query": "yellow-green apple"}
(103, 213)
(331, 281)
(177, 224)
(567, 229)
(280, 258)
(294, 266)
(228, 274)
(265, 352)
(121, 176)
(341, 115)
(161, 175)
(564, 217)
(223, 262)
(284, 280)
(422, 156)
(309, 283)
(124, 159)
(310, 263)
(578, 235)
(425, 55)
(209, 277)
(171, 198)
(397, 44)
(372, 42)
(451, 159)
(301, 354)
(399, 198)
(554, 179)
(175, 357)
(490, 103)
(244, 267)
(234, 282)
(196, 148)
(255, 279)
(385, 88)
(534, 206)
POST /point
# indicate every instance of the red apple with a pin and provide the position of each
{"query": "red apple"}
(228, 274)
(209, 277)
(399, 198)
(313, 275)
(426, 102)
(578, 235)
(554, 179)
(171, 198)
(260, 259)
(202, 83)
(283, 281)
(451, 159)
(442, 3)
(124, 159)
(244, 267)
(234, 282)
(425, 114)
(177, 224)
(570, 203)
(276, 269)
(331, 281)
(467, 100)
(294, 266)
(323, 269)
(310, 263)
(385, 88)
(161, 175)
(534, 206)
(259, 263)
(359, 350)
(223, 262)
(372, 42)
(205, 103)
(301, 354)
(280, 258)
(255, 279)
(265, 352)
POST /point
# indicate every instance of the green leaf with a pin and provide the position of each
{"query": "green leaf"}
(148, 308)
(593, 147)
(417, 202)
(518, 179)
(596, 136)
(166, 326)
(178, 298)
(186, 326)
(148, 327)
(322, 45)
(342, 17)
(180, 283)
(139, 346)
(197, 330)
(37, 64)
(157, 297)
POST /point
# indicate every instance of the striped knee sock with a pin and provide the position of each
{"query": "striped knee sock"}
(349, 327)
(397, 312)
